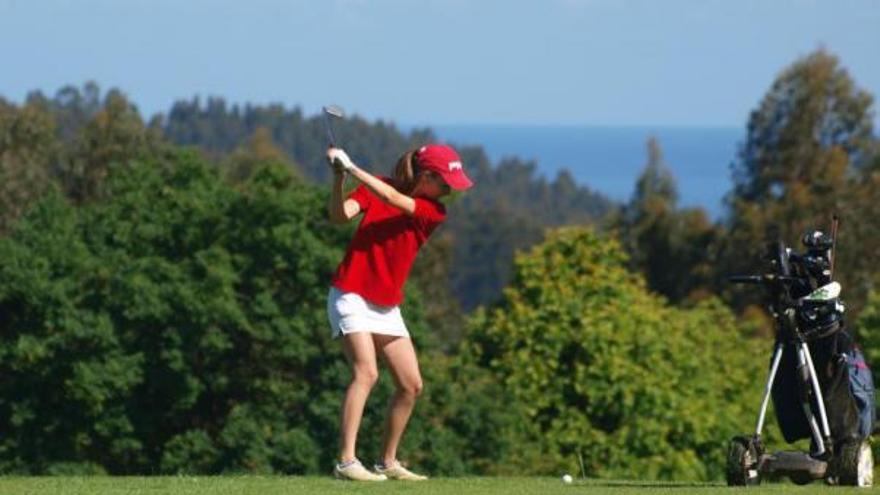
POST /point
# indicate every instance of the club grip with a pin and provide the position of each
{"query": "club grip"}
(745, 279)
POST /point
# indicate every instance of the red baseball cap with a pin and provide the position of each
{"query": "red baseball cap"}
(446, 162)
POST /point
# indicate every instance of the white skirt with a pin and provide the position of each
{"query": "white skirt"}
(349, 312)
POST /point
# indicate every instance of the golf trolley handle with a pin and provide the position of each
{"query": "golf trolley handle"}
(760, 279)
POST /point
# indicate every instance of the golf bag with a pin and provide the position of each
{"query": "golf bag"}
(847, 387)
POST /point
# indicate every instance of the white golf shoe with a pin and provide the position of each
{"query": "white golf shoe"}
(355, 471)
(395, 471)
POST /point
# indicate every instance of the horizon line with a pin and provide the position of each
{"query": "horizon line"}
(409, 125)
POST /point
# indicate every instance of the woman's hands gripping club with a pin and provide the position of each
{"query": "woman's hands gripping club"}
(339, 161)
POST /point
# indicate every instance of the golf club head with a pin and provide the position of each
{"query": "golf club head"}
(334, 111)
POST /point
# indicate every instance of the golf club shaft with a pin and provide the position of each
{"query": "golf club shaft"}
(835, 222)
(329, 127)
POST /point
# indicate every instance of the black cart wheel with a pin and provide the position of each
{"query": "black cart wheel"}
(742, 463)
(801, 478)
(855, 464)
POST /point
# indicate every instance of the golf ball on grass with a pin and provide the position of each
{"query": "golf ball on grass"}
(566, 478)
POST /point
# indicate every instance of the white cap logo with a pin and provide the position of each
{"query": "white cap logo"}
(456, 165)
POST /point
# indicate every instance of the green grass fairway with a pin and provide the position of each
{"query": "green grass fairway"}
(259, 485)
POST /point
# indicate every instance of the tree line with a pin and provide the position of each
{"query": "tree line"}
(162, 284)
(177, 325)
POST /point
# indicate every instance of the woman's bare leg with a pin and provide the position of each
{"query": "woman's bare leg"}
(400, 355)
(361, 354)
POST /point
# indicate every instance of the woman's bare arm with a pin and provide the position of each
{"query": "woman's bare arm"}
(341, 211)
(384, 191)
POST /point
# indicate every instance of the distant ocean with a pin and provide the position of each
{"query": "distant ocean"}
(610, 159)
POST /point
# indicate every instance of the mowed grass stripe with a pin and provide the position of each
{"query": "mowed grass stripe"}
(268, 485)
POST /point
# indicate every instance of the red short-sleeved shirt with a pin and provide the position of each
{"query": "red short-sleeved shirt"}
(384, 247)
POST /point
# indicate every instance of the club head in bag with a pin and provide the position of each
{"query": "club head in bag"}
(332, 111)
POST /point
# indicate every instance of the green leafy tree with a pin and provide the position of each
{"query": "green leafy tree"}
(260, 149)
(219, 128)
(177, 324)
(28, 150)
(508, 210)
(810, 134)
(430, 276)
(858, 248)
(670, 246)
(603, 369)
(112, 137)
(71, 107)
(648, 221)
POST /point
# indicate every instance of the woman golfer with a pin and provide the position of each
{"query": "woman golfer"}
(399, 214)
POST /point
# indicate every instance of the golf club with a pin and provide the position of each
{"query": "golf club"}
(332, 111)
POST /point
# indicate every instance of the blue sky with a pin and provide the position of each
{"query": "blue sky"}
(570, 62)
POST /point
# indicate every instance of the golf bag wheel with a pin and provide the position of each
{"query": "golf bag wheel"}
(855, 464)
(800, 478)
(742, 463)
